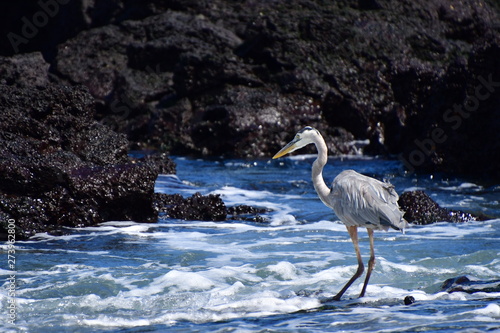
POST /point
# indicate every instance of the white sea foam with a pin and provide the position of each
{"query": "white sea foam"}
(284, 270)
(110, 321)
(181, 281)
(216, 275)
(449, 230)
(282, 213)
(238, 196)
(491, 311)
(462, 186)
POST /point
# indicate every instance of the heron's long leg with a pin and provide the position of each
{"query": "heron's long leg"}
(353, 232)
(371, 262)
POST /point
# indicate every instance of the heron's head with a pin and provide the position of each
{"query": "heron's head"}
(303, 137)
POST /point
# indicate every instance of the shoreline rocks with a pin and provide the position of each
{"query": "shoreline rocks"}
(415, 79)
(60, 168)
(418, 79)
(469, 285)
(204, 208)
(419, 208)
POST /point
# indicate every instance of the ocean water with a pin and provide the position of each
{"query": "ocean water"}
(239, 276)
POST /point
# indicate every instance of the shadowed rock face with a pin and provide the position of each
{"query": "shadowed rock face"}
(240, 78)
(60, 168)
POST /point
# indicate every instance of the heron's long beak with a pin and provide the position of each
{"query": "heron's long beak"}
(291, 146)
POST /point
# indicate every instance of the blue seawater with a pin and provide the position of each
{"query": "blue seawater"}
(236, 276)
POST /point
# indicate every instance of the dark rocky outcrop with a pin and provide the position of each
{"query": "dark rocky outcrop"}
(470, 286)
(408, 300)
(197, 207)
(204, 208)
(419, 208)
(24, 70)
(161, 162)
(419, 79)
(246, 213)
(60, 168)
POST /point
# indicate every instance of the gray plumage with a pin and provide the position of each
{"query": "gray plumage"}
(358, 200)
(363, 201)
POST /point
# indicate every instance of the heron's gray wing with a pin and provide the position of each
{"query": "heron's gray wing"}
(363, 201)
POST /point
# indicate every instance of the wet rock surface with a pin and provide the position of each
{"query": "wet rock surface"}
(24, 70)
(197, 207)
(414, 79)
(247, 213)
(204, 208)
(419, 208)
(160, 162)
(60, 168)
(470, 285)
(418, 79)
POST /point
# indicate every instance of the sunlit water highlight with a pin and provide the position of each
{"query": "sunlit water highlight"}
(242, 276)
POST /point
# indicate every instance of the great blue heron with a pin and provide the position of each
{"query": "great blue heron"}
(358, 200)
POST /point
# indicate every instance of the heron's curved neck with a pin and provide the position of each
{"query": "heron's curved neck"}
(317, 171)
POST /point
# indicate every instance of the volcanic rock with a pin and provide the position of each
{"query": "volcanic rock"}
(160, 162)
(247, 213)
(204, 208)
(419, 208)
(24, 69)
(197, 207)
(60, 168)
(470, 286)
(415, 78)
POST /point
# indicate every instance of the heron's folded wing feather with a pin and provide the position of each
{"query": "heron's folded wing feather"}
(363, 201)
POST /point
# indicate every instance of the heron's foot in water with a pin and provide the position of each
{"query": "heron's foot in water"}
(331, 299)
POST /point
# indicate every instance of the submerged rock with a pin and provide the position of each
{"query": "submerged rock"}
(465, 284)
(419, 208)
(247, 213)
(60, 168)
(408, 300)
